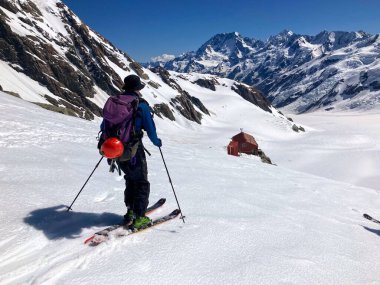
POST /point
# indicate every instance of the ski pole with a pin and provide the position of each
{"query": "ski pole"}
(170, 180)
(96, 166)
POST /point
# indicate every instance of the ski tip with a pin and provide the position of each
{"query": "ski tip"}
(366, 216)
(176, 212)
(89, 239)
(162, 200)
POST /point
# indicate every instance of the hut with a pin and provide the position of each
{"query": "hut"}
(233, 148)
(243, 143)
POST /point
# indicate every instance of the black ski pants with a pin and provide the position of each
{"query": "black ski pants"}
(137, 186)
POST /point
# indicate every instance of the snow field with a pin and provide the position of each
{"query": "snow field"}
(341, 146)
(247, 222)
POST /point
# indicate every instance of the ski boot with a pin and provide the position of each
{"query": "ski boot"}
(128, 218)
(141, 223)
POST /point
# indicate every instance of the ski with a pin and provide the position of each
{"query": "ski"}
(101, 238)
(105, 231)
(368, 217)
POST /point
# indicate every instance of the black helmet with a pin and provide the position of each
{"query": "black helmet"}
(133, 83)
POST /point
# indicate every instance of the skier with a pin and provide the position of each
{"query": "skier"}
(136, 194)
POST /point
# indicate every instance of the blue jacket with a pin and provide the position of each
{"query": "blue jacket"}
(144, 121)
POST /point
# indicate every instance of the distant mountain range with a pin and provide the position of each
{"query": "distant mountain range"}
(300, 72)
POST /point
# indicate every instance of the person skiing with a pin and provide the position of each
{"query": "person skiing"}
(137, 186)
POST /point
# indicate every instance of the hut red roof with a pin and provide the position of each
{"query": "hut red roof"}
(243, 143)
(243, 137)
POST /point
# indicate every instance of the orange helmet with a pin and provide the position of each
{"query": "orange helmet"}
(112, 148)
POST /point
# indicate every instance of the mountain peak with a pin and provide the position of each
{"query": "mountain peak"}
(225, 43)
(225, 37)
(231, 44)
(282, 37)
(286, 32)
(337, 39)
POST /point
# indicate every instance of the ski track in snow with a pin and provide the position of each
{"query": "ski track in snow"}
(247, 222)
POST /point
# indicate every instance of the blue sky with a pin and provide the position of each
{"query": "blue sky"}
(147, 28)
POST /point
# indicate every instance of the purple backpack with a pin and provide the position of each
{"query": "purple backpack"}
(118, 114)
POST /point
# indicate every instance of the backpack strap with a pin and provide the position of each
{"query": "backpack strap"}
(136, 136)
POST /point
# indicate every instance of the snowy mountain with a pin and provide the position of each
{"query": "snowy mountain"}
(50, 57)
(300, 72)
(299, 222)
(247, 222)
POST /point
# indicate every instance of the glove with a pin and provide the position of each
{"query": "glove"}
(158, 143)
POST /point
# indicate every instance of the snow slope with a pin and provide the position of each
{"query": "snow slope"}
(247, 222)
(342, 146)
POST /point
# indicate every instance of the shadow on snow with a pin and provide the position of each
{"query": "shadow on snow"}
(377, 232)
(56, 222)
